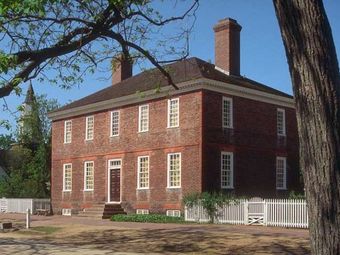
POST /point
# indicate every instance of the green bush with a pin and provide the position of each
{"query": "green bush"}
(296, 195)
(211, 202)
(152, 218)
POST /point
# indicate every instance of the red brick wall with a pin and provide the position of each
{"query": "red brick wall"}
(254, 143)
(130, 144)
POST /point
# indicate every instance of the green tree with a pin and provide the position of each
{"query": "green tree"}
(314, 70)
(39, 35)
(28, 161)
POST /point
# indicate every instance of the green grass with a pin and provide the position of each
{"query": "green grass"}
(151, 218)
(43, 230)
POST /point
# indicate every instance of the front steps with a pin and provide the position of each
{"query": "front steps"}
(103, 211)
(112, 209)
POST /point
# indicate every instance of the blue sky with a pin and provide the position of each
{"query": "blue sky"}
(262, 54)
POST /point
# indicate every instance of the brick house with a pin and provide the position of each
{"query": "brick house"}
(146, 150)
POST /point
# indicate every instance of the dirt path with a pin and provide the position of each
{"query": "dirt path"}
(91, 236)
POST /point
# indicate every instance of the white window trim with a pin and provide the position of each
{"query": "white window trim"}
(111, 135)
(230, 100)
(231, 154)
(85, 189)
(109, 180)
(86, 128)
(64, 168)
(138, 172)
(168, 171)
(283, 122)
(284, 173)
(173, 99)
(171, 213)
(142, 211)
(65, 124)
(139, 118)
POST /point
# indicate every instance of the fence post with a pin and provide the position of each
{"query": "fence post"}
(265, 212)
(32, 206)
(246, 212)
(28, 218)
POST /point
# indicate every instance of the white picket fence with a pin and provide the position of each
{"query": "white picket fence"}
(267, 212)
(20, 205)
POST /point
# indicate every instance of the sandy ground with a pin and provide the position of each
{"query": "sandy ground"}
(77, 235)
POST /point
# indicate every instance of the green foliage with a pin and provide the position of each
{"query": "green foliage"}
(29, 173)
(211, 202)
(295, 195)
(152, 218)
(6, 141)
(28, 161)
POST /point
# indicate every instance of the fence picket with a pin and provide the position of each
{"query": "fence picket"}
(276, 212)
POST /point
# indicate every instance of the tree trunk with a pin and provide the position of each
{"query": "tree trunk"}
(315, 76)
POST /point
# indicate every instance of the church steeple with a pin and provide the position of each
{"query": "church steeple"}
(29, 122)
(30, 97)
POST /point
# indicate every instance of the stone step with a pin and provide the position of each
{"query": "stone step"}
(104, 211)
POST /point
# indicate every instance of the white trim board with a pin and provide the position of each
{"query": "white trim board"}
(198, 84)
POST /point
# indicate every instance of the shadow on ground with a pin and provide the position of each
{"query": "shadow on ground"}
(184, 241)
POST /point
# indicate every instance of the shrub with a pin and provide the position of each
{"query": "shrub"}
(152, 218)
(295, 195)
(211, 202)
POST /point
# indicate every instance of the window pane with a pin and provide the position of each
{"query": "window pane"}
(281, 129)
(227, 120)
(174, 170)
(281, 173)
(115, 123)
(143, 118)
(173, 113)
(89, 128)
(227, 170)
(89, 176)
(68, 131)
(67, 177)
(143, 172)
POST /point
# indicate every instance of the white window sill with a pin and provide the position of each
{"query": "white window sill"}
(67, 190)
(179, 187)
(112, 136)
(173, 127)
(88, 140)
(86, 190)
(231, 187)
(145, 131)
(142, 188)
(281, 188)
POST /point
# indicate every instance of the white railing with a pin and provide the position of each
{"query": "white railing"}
(268, 212)
(20, 205)
(286, 213)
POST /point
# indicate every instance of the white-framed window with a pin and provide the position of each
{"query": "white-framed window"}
(143, 172)
(89, 131)
(68, 131)
(66, 212)
(174, 170)
(143, 118)
(67, 177)
(88, 175)
(173, 213)
(281, 122)
(142, 211)
(227, 112)
(227, 170)
(281, 173)
(115, 164)
(115, 123)
(173, 112)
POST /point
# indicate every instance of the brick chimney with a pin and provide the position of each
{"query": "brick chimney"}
(121, 68)
(227, 46)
